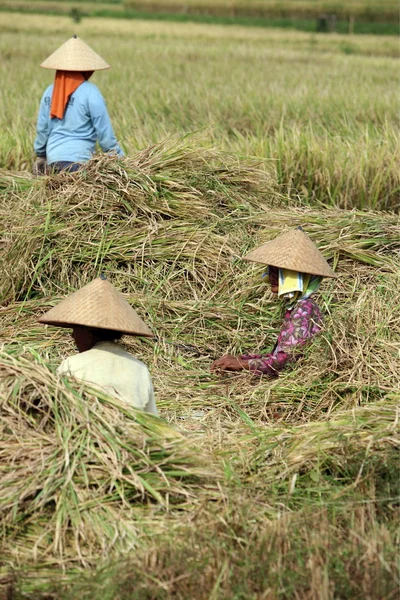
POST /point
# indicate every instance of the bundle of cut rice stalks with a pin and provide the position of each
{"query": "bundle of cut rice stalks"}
(164, 203)
(355, 454)
(185, 212)
(84, 474)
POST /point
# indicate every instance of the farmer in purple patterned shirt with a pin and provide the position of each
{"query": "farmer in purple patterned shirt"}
(295, 270)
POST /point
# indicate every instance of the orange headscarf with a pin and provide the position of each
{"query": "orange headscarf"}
(65, 84)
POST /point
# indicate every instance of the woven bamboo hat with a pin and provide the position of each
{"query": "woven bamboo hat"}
(97, 305)
(292, 250)
(75, 55)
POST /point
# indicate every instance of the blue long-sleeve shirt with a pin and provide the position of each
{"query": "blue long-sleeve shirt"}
(74, 137)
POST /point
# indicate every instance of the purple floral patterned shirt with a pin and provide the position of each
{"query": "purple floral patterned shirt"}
(301, 323)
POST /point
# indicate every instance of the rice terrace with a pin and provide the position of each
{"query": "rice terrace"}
(239, 122)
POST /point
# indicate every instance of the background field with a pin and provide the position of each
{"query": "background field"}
(277, 489)
(357, 16)
(362, 10)
(322, 110)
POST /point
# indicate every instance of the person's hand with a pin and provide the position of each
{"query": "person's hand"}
(39, 166)
(229, 363)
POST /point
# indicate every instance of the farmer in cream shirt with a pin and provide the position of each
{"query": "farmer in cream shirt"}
(108, 366)
(99, 316)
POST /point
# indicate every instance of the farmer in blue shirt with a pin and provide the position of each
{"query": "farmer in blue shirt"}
(73, 115)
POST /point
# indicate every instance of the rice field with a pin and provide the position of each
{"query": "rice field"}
(322, 111)
(359, 17)
(246, 488)
(367, 10)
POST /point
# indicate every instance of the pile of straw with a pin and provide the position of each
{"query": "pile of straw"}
(84, 476)
(354, 450)
(80, 470)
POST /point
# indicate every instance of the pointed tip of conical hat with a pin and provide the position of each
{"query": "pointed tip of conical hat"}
(292, 250)
(97, 305)
(75, 55)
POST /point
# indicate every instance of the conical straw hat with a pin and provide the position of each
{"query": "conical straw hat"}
(292, 250)
(97, 305)
(75, 55)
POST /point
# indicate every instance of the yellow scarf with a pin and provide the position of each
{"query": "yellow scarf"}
(292, 284)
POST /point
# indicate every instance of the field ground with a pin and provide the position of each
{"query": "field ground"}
(251, 488)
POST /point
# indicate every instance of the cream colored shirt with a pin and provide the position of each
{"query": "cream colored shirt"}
(108, 366)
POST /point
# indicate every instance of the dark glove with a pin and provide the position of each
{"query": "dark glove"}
(39, 166)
